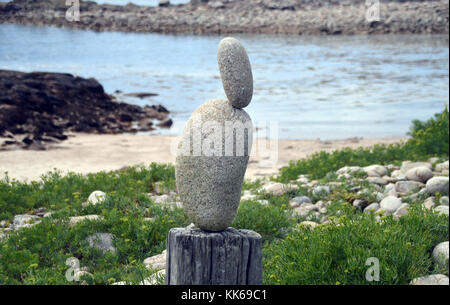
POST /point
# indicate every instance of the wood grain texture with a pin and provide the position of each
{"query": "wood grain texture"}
(197, 257)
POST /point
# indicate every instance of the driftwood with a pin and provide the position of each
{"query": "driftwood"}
(230, 257)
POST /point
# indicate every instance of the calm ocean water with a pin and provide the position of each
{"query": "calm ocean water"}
(315, 87)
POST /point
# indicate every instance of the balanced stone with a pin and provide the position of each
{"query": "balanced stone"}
(236, 72)
(212, 158)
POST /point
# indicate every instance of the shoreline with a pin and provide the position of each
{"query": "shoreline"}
(89, 153)
(236, 16)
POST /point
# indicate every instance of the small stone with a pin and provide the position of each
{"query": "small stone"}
(156, 262)
(438, 185)
(372, 208)
(440, 255)
(309, 224)
(390, 204)
(442, 209)
(76, 219)
(420, 174)
(434, 279)
(248, 196)
(348, 170)
(298, 201)
(236, 72)
(263, 202)
(24, 221)
(359, 204)
(406, 187)
(102, 241)
(389, 190)
(375, 170)
(444, 201)
(279, 189)
(442, 166)
(96, 197)
(377, 180)
(429, 203)
(321, 190)
(401, 211)
(163, 199)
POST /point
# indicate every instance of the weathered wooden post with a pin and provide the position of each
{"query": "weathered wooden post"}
(212, 158)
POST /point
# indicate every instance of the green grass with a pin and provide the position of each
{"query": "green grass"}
(329, 254)
(337, 254)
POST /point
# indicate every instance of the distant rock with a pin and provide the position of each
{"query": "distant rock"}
(102, 241)
(440, 255)
(406, 187)
(390, 204)
(438, 185)
(434, 279)
(420, 174)
(375, 171)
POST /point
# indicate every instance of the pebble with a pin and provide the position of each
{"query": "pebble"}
(236, 72)
(375, 170)
(442, 209)
(390, 204)
(156, 262)
(440, 255)
(434, 279)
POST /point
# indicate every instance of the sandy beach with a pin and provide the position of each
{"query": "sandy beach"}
(88, 153)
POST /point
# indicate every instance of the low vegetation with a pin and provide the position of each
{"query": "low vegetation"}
(332, 253)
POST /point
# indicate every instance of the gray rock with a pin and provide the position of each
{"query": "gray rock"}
(442, 166)
(440, 255)
(438, 185)
(209, 180)
(444, 201)
(377, 180)
(372, 208)
(298, 201)
(96, 197)
(321, 190)
(401, 211)
(390, 204)
(248, 196)
(407, 187)
(407, 165)
(389, 190)
(359, 204)
(102, 241)
(375, 170)
(420, 174)
(156, 262)
(442, 209)
(429, 203)
(76, 219)
(348, 170)
(434, 279)
(279, 189)
(24, 221)
(236, 72)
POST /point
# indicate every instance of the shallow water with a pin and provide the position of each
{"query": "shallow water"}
(315, 87)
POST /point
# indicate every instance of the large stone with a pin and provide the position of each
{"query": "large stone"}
(434, 279)
(440, 255)
(420, 174)
(442, 166)
(372, 208)
(390, 204)
(209, 173)
(438, 185)
(406, 187)
(236, 72)
(156, 262)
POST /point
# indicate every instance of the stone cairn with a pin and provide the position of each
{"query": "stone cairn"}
(211, 161)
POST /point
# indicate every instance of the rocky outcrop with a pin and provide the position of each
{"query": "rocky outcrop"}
(40, 108)
(296, 17)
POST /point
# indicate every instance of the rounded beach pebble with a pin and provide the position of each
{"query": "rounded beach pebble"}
(236, 72)
(209, 181)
